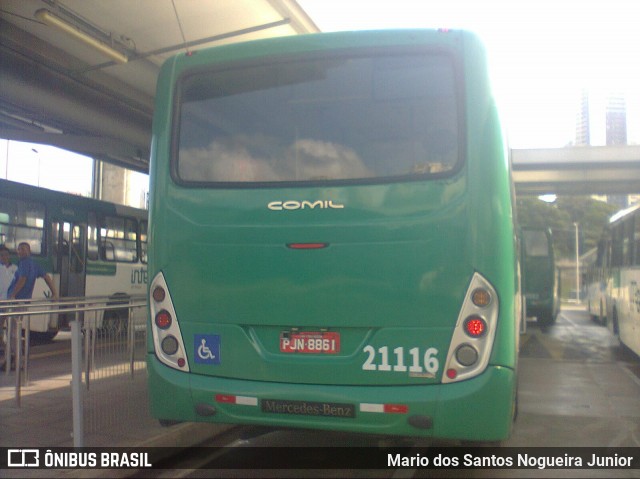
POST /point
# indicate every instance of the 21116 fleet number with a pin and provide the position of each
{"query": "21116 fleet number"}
(416, 362)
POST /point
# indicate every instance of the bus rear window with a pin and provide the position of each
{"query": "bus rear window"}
(536, 243)
(324, 119)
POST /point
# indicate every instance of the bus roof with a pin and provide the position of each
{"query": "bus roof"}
(623, 213)
(288, 45)
(46, 195)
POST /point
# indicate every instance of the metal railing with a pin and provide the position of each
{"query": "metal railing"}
(107, 346)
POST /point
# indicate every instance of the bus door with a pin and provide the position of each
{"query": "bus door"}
(70, 246)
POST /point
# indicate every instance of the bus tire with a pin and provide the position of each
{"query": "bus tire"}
(114, 323)
(594, 317)
(168, 422)
(546, 319)
(516, 404)
(38, 337)
(614, 323)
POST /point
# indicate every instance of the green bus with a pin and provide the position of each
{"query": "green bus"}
(331, 238)
(539, 279)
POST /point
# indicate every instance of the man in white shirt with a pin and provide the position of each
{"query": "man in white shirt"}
(7, 271)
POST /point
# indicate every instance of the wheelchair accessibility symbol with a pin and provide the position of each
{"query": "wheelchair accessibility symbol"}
(207, 348)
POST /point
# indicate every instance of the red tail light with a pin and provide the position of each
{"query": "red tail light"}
(163, 319)
(165, 326)
(472, 340)
(475, 326)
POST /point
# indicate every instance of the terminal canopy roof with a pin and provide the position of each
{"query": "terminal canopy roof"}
(59, 88)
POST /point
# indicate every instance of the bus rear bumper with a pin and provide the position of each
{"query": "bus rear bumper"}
(478, 409)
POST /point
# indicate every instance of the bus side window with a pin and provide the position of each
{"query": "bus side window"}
(627, 249)
(636, 239)
(119, 239)
(143, 241)
(22, 221)
(108, 251)
(616, 246)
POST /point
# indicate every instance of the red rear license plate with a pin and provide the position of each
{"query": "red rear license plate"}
(310, 342)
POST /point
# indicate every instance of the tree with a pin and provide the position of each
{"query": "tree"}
(560, 216)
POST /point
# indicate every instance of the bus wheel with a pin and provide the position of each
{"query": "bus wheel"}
(168, 422)
(37, 337)
(546, 319)
(614, 319)
(114, 324)
(594, 317)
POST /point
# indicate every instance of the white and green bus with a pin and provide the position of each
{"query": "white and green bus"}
(89, 247)
(623, 278)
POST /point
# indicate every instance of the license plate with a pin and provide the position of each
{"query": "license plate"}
(310, 342)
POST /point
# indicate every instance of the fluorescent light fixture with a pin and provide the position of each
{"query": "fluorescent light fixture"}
(47, 17)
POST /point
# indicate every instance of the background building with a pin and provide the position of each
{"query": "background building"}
(602, 121)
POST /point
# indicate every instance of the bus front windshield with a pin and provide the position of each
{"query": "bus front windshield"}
(536, 243)
(369, 118)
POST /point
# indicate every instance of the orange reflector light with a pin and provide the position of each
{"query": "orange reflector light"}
(481, 297)
(163, 319)
(158, 294)
(475, 326)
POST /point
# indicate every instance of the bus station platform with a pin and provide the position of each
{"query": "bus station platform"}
(44, 418)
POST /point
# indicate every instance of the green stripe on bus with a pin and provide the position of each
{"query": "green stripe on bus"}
(101, 269)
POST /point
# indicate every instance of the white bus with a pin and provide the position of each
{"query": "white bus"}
(623, 278)
(596, 266)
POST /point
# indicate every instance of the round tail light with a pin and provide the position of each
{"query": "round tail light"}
(170, 345)
(163, 319)
(159, 294)
(466, 355)
(481, 297)
(475, 326)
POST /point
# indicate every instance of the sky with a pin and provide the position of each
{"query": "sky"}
(57, 169)
(542, 53)
(46, 166)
